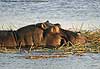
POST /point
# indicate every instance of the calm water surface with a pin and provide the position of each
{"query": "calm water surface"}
(12, 61)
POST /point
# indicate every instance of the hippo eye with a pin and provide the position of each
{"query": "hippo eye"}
(75, 34)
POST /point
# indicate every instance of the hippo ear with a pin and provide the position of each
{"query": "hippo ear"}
(47, 21)
(48, 24)
(57, 24)
(55, 29)
(43, 26)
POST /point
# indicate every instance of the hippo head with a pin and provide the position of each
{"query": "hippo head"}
(44, 25)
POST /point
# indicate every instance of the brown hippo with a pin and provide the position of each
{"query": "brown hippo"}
(31, 35)
(56, 36)
(73, 37)
(8, 39)
(53, 37)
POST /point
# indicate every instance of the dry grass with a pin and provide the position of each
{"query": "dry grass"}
(8, 50)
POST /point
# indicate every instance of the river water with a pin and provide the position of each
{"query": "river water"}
(65, 12)
(87, 61)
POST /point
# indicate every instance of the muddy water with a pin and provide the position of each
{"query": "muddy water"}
(17, 61)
